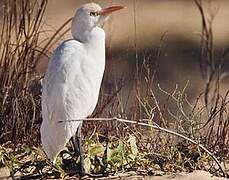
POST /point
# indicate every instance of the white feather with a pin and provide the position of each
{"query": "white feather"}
(71, 89)
(72, 82)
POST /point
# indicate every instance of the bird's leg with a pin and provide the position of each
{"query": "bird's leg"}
(77, 143)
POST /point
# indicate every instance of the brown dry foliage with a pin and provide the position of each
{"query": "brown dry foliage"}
(207, 123)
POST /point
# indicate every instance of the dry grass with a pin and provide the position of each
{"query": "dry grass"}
(110, 146)
(21, 48)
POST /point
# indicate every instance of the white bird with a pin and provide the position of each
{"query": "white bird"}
(72, 81)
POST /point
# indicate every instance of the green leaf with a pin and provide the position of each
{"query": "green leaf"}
(116, 155)
(96, 150)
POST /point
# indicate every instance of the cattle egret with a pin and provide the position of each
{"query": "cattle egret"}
(72, 82)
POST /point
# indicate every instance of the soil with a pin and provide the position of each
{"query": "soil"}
(196, 175)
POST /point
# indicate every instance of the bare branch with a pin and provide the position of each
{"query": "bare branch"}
(139, 123)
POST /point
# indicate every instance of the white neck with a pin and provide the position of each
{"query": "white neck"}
(96, 42)
(86, 36)
(82, 35)
(82, 29)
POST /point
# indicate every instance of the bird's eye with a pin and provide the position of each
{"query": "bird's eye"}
(94, 14)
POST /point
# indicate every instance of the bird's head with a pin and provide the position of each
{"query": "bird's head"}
(90, 16)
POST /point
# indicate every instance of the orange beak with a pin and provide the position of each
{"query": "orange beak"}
(109, 10)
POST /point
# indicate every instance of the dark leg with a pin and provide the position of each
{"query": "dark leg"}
(77, 144)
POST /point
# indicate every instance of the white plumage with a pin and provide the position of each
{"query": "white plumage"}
(72, 82)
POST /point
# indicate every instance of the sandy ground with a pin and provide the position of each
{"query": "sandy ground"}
(197, 175)
(4, 173)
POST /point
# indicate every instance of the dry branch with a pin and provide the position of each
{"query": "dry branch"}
(139, 123)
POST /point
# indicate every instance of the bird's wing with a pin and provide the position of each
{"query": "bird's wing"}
(64, 67)
(57, 104)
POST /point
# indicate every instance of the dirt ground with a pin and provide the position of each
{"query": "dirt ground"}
(197, 175)
(4, 173)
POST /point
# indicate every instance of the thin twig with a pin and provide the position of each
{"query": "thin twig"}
(157, 128)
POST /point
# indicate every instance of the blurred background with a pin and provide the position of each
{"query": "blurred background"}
(139, 28)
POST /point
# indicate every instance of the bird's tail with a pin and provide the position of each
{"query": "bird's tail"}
(55, 136)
